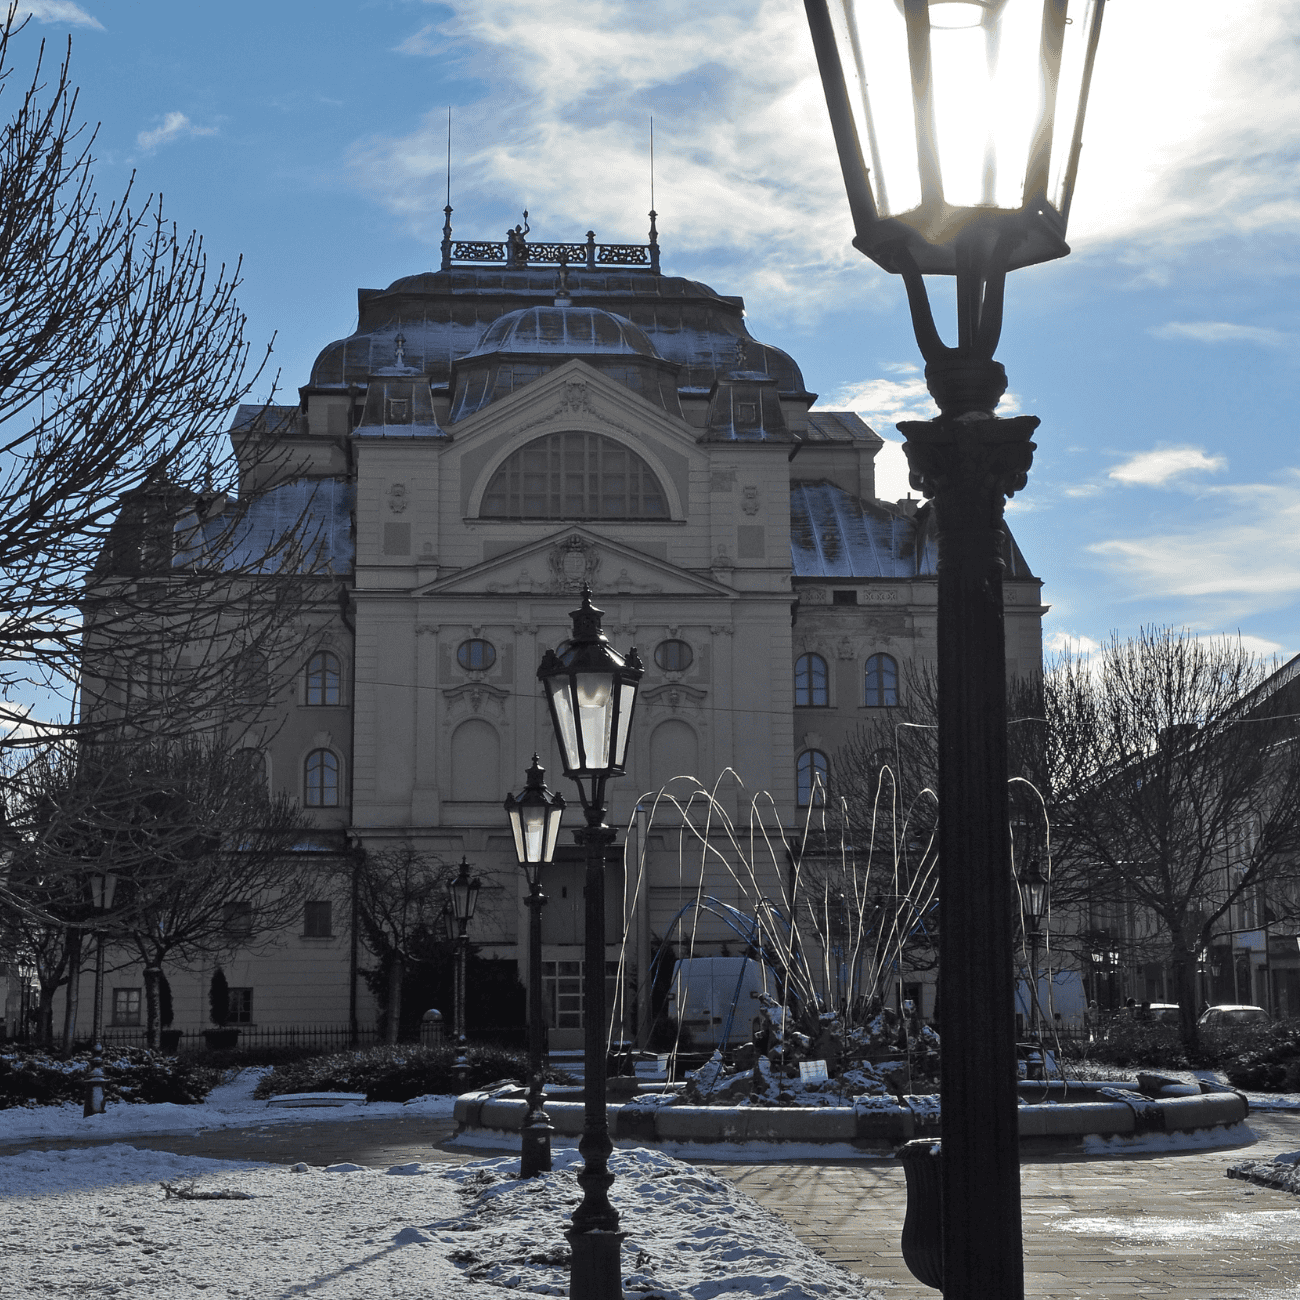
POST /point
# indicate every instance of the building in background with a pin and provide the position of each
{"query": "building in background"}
(493, 435)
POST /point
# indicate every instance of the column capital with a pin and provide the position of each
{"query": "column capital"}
(981, 453)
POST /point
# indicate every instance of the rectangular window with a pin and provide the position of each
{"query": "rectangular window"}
(316, 920)
(126, 1006)
(237, 918)
(842, 596)
(241, 1007)
(562, 992)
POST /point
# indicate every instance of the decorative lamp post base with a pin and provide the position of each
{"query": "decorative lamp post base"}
(535, 1148)
(94, 1103)
(596, 1271)
(923, 1226)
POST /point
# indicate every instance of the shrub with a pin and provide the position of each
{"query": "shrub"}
(1127, 1042)
(398, 1073)
(131, 1074)
(1265, 1059)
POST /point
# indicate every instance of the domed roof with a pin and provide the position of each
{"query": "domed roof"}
(567, 330)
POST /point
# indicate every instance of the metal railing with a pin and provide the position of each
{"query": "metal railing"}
(515, 252)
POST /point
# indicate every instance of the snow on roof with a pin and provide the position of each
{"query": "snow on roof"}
(834, 534)
(309, 520)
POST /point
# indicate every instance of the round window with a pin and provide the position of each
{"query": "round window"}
(673, 656)
(476, 656)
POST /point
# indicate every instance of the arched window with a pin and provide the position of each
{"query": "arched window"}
(323, 678)
(476, 656)
(882, 682)
(810, 688)
(674, 656)
(810, 778)
(574, 476)
(322, 779)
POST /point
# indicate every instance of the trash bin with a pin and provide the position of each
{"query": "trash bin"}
(431, 1028)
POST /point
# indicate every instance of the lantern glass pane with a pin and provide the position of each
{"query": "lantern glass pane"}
(627, 701)
(562, 710)
(1070, 102)
(516, 827)
(872, 39)
(534, 832)
(595, 717)
(552, 832)
(988, 97)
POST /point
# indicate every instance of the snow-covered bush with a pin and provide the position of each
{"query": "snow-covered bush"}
(131, 1074)
(398, 1073)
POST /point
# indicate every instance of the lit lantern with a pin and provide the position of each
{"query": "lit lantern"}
(957, 118)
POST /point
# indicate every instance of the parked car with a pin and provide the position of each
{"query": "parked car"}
(1165, 1013)
(1230, 1016)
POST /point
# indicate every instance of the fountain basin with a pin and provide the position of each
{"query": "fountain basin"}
(1053, 1118)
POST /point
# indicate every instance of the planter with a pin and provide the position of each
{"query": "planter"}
(171, 1040)
(221, 1040)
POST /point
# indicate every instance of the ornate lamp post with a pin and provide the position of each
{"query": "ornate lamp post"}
(1033, 905)
(958, 125)
(591, 691)
(464, 898)
(103, 884)
(535, 820)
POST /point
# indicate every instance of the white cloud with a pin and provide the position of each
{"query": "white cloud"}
(1180, 150)
(882, 403)
(1242, 556)
(55, 11)
(1155, 468)
(1213, 331)
(1074, 644)
(174, 126)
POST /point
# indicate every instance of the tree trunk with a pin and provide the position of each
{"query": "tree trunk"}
(395, 970)
(1185, 987)
(74, 990)
(151, 973)
(45, 1014)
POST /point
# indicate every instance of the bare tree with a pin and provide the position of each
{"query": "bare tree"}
(1178, 785)
(401, 895)
(204, 857)
(121, 354)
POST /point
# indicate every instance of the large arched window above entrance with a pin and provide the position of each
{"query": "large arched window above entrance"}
(574, 476)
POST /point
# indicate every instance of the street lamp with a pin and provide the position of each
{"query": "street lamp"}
(464, 898)
(591, 691)
(958, 127)
(1033, 904)
(535, 821)
(103, 884)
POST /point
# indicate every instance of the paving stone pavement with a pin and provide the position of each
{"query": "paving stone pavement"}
(1131, 1228)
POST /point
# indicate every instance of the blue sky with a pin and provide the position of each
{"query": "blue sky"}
(1161, 356)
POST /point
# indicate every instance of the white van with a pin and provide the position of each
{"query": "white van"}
(706, 989)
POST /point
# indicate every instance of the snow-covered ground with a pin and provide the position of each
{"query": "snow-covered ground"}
(229, 1105)
(102, 1221)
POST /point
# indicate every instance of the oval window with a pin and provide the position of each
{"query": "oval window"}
(673, 656)
(476, 656)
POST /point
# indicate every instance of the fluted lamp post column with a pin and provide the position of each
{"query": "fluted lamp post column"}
(591, 691)
(464, 898)
(958, 125)
(103, 885)
(535, 822)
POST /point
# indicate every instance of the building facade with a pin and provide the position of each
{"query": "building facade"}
(492, 436)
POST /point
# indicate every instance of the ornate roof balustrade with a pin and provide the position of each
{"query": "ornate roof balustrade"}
(515, 251)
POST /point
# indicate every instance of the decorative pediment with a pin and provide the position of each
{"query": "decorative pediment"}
(481, 698)
(560, 563)
(574, 396)
(674, 696)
